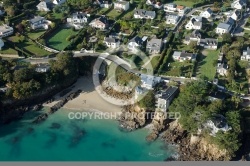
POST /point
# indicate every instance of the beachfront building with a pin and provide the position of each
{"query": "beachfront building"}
(148, 81)
(217, 123)
(165, 97)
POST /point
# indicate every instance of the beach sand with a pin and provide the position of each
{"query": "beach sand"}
(88, 100)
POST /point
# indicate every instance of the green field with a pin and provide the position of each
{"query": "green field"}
(6, 50)
(184, 3)
(113, 14)
(154, 61)
(179, 69)
(205, 65)
(35, 34)
(58, 39)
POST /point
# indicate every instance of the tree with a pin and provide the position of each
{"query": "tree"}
(227, 38)
(10, 11)
(193, 46)
(225, 49)
(148, 101)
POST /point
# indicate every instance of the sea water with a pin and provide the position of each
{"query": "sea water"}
(76, 140)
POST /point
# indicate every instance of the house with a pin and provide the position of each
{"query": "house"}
(172, 19)
(209, 43)
(165, 97)
(235, 15)
(207, 13)
(39, 22)
(100, 23)
(170, 7)
(239, 4)
(103, 4)
(246, 54)
(3, 89)
(1, 44)
(121, 5)
(42, 68)
(216, 96)
(223, 28)
(141, 13)
(58, 2)
(195, 36)
(217, 123)
(194, 23)
(154, 3)
(181, 9)
(148, 81)
(135, 43)
(6, 30)
(154, 46)
(184, 56)
(78, 19)
(44, 6)
(222, 69)
(112, 42)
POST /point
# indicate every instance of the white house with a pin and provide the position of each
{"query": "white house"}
(6, 30)
(217, 123)
(172, 19)
(39, 22)
(222, 69)
(135, 43)
(1, 44)
(195, 36)
(111, 42)
(235, 15)
(78, 19)
(170, 7)
(44, 6)
(207, 13)
(121, 5)
(208, 43)
(194, 23)
(148, 81)
(154, 46)
(165, 97)
(181, 9)
(239, 4)
(58, 2)
(154, 3)
(246, 54)
(100, 23)
(223, 28)
(42, 68)
(183, 56)
(141, 13)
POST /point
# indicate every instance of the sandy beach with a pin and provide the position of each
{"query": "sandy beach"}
(88, 100)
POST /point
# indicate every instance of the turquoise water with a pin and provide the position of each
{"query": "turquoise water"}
(76, 140)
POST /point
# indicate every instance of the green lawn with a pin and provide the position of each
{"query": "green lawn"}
(113, 14)
(184, 3)
(29, 46)
(103, 10)
(35, 34)
(205, 65)
(179, 69)
(154, 61)
(58, 39)
(6, 50)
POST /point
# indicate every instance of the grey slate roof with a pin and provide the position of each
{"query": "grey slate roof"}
(224, 26)
(79, 15)
(137, 40)
(36, 19)
(154, 44)
(209, 41)
(144, 13)
(169, 92)
(110, 40)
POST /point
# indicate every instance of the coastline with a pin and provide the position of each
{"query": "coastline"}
(88, 100)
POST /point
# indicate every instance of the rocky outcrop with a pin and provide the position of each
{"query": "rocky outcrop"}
(158, 124)
(131, 119)
(40, 118)
(192, 148)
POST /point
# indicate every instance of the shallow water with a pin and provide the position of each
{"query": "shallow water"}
(76, 140)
